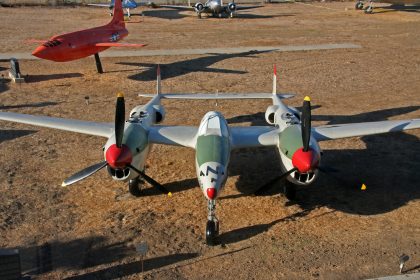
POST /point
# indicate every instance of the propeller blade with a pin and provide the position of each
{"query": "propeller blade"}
(84, 173)
(150, 180)
(119, 120)
(306, 123)
(267, 186)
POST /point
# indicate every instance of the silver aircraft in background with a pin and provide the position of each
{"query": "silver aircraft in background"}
(395, 4)
(212, 7)
(129, 142)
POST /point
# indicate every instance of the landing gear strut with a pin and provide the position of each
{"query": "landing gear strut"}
(98, 64)
(134, 187)
(212, 228)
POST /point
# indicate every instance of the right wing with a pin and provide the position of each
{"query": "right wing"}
(176, 7)
(100, 5)
(337, 131)
(85, 127)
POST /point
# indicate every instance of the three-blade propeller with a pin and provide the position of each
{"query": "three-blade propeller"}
(119, 135)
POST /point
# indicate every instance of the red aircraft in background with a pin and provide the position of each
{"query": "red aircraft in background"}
(83, 43)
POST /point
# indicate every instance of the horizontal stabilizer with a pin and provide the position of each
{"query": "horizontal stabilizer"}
(120, 45)
(210, 96)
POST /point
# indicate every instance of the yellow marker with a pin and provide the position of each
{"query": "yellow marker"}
(169, 194)
(120, 94)
(307, 98)
(363, 188)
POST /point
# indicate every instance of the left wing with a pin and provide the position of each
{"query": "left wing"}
(241, 136)
(110, 44)
(85, 127)
(238, 8)
(337, 131)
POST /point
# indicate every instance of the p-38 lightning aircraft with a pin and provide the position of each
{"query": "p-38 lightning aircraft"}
(212, 7)
(128, 144)
(83, 43)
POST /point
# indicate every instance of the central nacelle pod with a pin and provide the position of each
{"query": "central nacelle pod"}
(212, 154)
(270, 113)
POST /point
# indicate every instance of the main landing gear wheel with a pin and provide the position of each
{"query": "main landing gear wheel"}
(359, 6)
(289, 190)
(369, 10)
(134, 187)
(212, 232)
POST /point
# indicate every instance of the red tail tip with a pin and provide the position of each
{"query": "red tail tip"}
(158, 70)
(275, 70)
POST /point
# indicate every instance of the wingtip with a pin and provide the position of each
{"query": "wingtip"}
(64, 184)
(120, 94)
(307, 98)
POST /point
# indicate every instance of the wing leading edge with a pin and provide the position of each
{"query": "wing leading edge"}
(85, 127)
(329, 132)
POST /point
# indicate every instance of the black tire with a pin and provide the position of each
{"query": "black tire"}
(289, 190)
(212, 231)
(134, 187)
(359, 6)
(369, 10)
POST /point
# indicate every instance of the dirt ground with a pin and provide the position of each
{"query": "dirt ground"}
(333, 231)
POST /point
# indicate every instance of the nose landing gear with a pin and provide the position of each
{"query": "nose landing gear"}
(212, 227)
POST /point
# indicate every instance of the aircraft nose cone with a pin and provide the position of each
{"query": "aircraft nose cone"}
(305, 161)
(39, 52)
(118, 158)
(211, 193)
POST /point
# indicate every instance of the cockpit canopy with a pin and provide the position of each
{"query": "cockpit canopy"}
(52, 43)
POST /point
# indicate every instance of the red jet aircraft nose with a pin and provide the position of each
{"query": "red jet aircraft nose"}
(211, 193)
(118, 158)
(39, 51)
(305, 161)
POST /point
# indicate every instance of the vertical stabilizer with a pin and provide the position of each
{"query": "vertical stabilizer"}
(158, 81)
(275, 80)
(118, 14)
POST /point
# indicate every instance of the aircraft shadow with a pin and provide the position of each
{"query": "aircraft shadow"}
(4, 84)
(173, 187)
(184, 67)
(164, 14)
(245, 233)
(73, 254)
(48, 77)
(124, 270)
(395, 8)
(10, 134)
(388, 166)
(255, 16)
(33, 105)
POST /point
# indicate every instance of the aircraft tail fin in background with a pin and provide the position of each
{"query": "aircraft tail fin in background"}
(118, 14)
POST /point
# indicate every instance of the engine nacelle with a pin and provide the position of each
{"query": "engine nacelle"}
(159, 113)
(270, 113)
(199, 7)
(231, 7)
